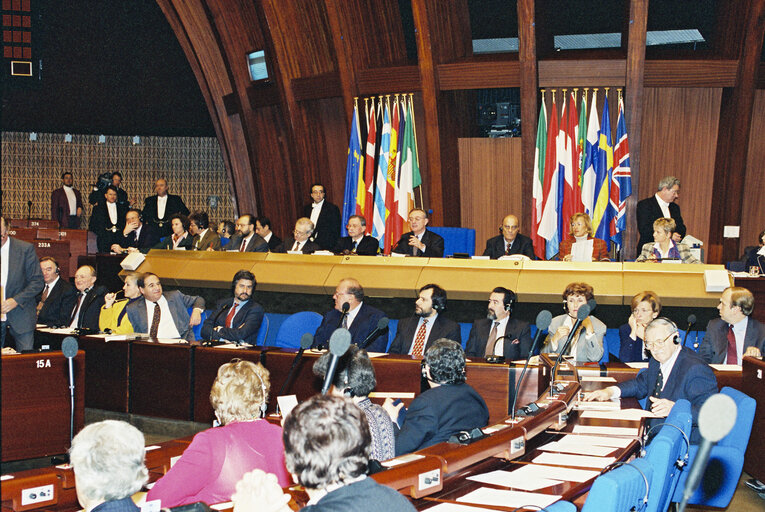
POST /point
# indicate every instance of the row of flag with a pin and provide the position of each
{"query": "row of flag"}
(380, 181)
(578, 169)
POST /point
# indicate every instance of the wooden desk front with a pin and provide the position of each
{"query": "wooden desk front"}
(753, 384)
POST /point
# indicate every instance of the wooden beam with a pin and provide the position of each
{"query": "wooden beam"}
(327, 85)
(529, 83)
(582, 73)
(345, 67)
(479, 75)
(690, 73)
(384, 80)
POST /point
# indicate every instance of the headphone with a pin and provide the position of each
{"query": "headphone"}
(673, 325)
(347, 390)
(509, 299)
(263, 405)
(52, 259)
(643, 502)
(681, 461)
(439, 301)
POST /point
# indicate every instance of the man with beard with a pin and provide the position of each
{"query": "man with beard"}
(238, 318)
(498, 334)
(415, 334)
(246, 239)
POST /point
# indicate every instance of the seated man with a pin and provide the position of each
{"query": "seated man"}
(263, 228)
(90, 298)
(509, 241)
(674, 372)
(108, 462)
(300, 239)
(164, 315)
(56, 301)
(448, 407)
(205, 239)
(361, 319)
(415, 334)
(136, 236)
(419, 241)
(113, 317)
(246, 239)
(498, 334)
(735, 334)
(357, 242)
(237, 318)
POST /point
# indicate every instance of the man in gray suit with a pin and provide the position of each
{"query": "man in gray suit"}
(164, 315)
(735, 334)
(22, 280)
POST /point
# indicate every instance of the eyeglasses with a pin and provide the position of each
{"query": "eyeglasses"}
(658, 344)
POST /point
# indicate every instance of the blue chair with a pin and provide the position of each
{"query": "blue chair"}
(392, 327)
(561, 506)
(621, 489)
(198, 328)
(224, 242)
(465, 332)
(726, 460)
(293, 328)
(456, 239)
(262, 332)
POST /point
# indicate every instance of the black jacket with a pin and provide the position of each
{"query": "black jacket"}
(647, 212)
(90, 309)
(517, 342)
(244, 326)
(442, 328)
(495, 246)
(256, 244)
(368, 246)
(106, 232)
(327, 229)
(434, 245)
(57, 309)
(150, 216)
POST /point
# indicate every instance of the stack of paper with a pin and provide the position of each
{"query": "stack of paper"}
(510, 499)
(579, 461)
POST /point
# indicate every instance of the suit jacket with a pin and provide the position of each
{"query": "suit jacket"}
(442, 328)
(167, 243)
(629, 350)
(274, 242)
(147, 238)
(516, 330)
(684, 250)
(308, 248)
(90, 309)
(59, 207)
(599, 250)
(375, 497)
(97, 196)
(495, 246)
(362, 326)
(244, 326)
(58, 306)
(327, 229)
(106, 232)
(438, 413)
(150, 216)
(178, 304)
(256, 243)
(647, 211)
(368, 246)
(25, 281)
(434, 245)
(587, 350)
(714, 346)
(210, 240)
(691, 378)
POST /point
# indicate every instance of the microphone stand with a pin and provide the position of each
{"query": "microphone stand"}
(691, 322)
(540, 327)
(581, 314)
(305, 342)
(374, 334)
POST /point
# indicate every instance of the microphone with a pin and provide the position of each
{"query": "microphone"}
(543, 322)
(691, 321)
(346, 307)
(69, 347)
(382, 324)
(305, 342)
(581, 314)
(716, 418)
(338, 346)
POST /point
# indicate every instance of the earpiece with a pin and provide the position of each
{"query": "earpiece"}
(644, 501)
(263, 405)
(565, 306)
(509, 300)
(681, 461)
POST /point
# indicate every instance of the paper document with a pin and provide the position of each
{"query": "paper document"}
(223, 506)
(581, 461)
(6, 477)
(391, 394)
(64, 330)
(581, 440)
(510, 499)
(606, 431)
(555, 473)
(495, 428)
(403, 459)
(582, 250)
(232, 346)
(286, 404)
(171, 341)
(376, 354)
(621, 414)
(597, 451)
(454, 507)
(610, 405)
(597, 379)
(509, 479)
(638, 365)
(726, 367)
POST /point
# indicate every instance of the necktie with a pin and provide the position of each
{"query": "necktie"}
(241, 247)
(491, 342)
(296, 246)
(414, 250)
(155, 322)
(345, 321)
(508, 247)
(42, 299)
(659, 385)
(231, 314)
(355, 244)
(80, 295)
(732, 357)
(419, 340)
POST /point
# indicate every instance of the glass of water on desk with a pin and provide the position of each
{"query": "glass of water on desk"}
(754, 271)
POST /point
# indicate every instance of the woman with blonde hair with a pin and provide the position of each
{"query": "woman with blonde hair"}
(581, 232)
(663, 247)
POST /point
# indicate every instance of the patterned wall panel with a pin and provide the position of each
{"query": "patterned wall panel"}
(193, 167)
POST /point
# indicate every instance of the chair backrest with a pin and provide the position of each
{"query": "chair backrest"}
(561, 506)
(392, 328)
(465, 332)
(262, 332)
(198, 328)
(621, 489)
(456, 239)
(294, 327)
(738, 437)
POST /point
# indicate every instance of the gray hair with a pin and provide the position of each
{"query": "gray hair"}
(108, 460)
(306, 222)
(668, 182)
(662, 322)
(355, 374)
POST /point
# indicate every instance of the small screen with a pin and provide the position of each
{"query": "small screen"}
(257, 63)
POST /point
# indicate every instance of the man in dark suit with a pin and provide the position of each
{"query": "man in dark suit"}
(325, 217)
(415, 334)
(735, 334)
(66, 204)
(164, 315)
(237, 318)
(88, 300)
(674, 372)
(498, 334)
(22, 280)
(56, 302)
(300, 241)
(419, 241)
(108, 220)
(97, 195)
(136, 236)
(509, 241)
(361, 319)
(159, 208)
(357, 242)
(205, 239)
(661, 204)
(246, 239)
(263, 228)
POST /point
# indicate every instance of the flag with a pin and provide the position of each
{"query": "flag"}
(590, 165)
(354, 184)
(538, 186)
(581, 141)
(408, 166)
(369, 168)
(568, 166)
(600, 219)
(621, 181)
(390, 192)
(402, 197)
(380, 213)
(548, 227)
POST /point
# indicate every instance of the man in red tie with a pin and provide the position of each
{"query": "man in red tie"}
(415, 334)
(238, 318)
(246, 239)
(735, 334)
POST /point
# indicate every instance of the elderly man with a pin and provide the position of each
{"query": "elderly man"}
(136, 236)
(325, 217)
(158, 209)
(415, 334)
(246, 239)
(300, 239)
(674, 372)
(237, 318)
(90, 298)
(419, 241)
(108, 462)
(66, 203)
(509, 241)
(361, 319)
(735, 334)
(661, 204)
(263, 228)
(56, 301)
(357, 241)
(164, 315)
(498, 334)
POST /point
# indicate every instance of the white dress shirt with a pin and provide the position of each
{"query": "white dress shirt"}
(176, 242)
(739, 331)
(428, 328)
(499, 346)
(316, 211)
(167, 328)
(72, 199)
(161, 206)
(663, 205)
(112, 209)
(352, 314)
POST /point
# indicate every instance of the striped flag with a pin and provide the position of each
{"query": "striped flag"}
(621, 181)
(548, 227)
(354, 181)
(390, 192)
(380, 212)
(600, 219)
(538, 186)
(590, 159)
(369, 168)
(401, 195)
(568, 166)
(408, 166)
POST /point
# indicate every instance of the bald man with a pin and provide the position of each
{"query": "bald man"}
(509, 241)
(159, 208)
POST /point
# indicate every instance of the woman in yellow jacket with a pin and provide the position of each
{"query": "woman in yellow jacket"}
(113, 317)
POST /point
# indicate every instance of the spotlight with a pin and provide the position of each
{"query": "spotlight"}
(33, 136)
(101, 139)
(68, 137)
(136, 140)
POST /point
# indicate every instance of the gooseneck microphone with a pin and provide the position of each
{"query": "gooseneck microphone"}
(691, 323)
(382, 324)
(305, 342)
(346, 307)
(69, 347)
(544, 318)
(583, 312)
(338, 346)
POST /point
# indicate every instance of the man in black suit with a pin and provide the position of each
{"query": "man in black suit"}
(159, 208)
(263, 228)
(498, 334)
(735, 334)
(97, 196)
(357, 242)
(415, 334)
(237, 318)
(88, 301)
(325, 217)
(56, 301)
(509, 241)
(361, 319)
(108, 220)
(661, 204)
(136, 236)
(300, 241)
(419, 241)
(246, 239)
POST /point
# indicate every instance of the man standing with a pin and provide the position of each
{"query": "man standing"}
(325, 217)
(735, 334)
(97, 196)
(419, 241)
(136, 236)
(509, 241)
(56, 302)
(88, 301)
(300, 240)
(159, 208)
(415, 334)
(205, 239)
(246, 239)
(237, 318)
(263, 228)
(164, 315)
(357, 242)
(662, 204)
(498, 334)
(66, 204)
(361, 319)
(108, 220)
(22, 280)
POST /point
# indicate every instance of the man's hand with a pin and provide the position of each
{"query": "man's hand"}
(9, 304)
(259, 491)
(677, 237)
(752, 351)
(660, 406)
(196, 318)
(109, 300)
(416, 242)
(599, 395)
(116, 248)
(129, 228)
(79, 211)
(392, 409)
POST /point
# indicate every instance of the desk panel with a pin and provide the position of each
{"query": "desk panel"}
(753, 384)
(161, 380)
(473, 281)
(295, 273)
(108, 380)
(380, 276)
(216, 269)
(544, 281)
(676, 284)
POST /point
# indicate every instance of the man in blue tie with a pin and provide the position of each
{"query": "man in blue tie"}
(239, 317)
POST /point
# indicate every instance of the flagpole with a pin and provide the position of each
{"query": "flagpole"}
(366, 111)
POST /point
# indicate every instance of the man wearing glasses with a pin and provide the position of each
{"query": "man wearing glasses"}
(419, 241)
(509, 241)
(674, 372)
(300, 239)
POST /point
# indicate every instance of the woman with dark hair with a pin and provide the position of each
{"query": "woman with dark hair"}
(645, 307)
(587, 343)
(179, 239)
